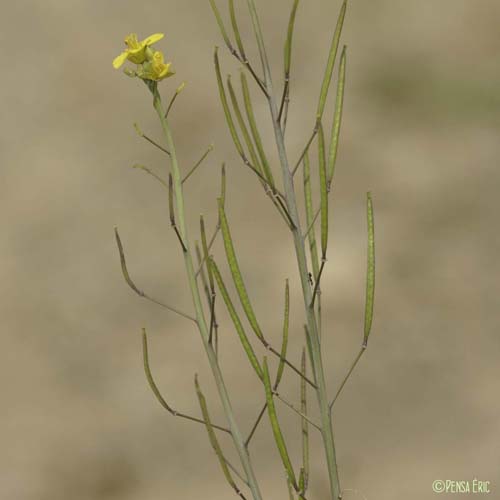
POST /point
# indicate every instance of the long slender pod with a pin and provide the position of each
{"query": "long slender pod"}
(332, 55)
(278, 435)
(370, 269)
(236, 320)
(337, 119)
(213, 439)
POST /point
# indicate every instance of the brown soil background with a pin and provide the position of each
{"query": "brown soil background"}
(421, 131)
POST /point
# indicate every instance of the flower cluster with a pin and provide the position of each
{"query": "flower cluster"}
(150, 63)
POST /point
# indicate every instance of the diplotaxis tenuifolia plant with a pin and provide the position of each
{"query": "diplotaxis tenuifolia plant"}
(204, 276)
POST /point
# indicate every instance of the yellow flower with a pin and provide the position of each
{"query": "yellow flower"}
(160, 70)
(136, 51)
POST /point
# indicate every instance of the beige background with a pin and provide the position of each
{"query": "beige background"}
(421, 131)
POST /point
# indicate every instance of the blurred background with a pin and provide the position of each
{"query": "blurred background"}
(421, 131)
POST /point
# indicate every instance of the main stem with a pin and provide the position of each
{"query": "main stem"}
(321, 392)
(238, 439)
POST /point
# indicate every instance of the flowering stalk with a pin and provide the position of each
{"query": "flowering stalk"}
(152, 69)
(195, 295)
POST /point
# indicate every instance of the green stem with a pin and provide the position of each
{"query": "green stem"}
(321, 391)
(195, 293)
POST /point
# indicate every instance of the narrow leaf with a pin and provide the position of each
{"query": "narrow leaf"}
(284, 343)
(370, 272)
(323, 186)
(278, 435)
(236, 273)
(331, 61)
(255, 131)
(236, 320)
(225, 106)
(337, 118)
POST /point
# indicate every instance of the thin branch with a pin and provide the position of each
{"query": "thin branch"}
(298, 412)
(212, 240)
(304, 476)
(138, 291)
(281, 366)
(355, 362)
(150, 172)
(291, 224)
(151, 141)
(213, 326)
(178, 90)
(255, 425)
(210, 296)
(242, 57)
(172, 213)
(286, 88)
(158, 394)
(311, 224)
(235, 470)
(316, 284)
(259, 81)
(290, 365)
(198, 163)
(306, 149)
(285, 99)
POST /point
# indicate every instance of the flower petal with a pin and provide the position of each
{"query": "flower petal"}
(119, 60)
(152, 39)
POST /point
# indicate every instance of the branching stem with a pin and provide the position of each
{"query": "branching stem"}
(346, 378)
(287, 174)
